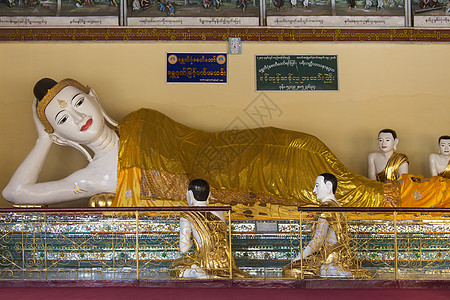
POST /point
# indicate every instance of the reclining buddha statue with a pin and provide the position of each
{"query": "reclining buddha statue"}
(149, 159)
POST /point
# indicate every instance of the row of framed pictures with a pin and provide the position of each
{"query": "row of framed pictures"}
(226, 13)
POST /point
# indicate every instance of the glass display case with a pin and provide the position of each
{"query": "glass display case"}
(142, 244)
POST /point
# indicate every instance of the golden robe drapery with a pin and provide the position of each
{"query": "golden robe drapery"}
(446, 172)
(268, 166)
(417, 191)
(390, 172)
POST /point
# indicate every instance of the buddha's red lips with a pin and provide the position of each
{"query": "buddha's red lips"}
(87, 125)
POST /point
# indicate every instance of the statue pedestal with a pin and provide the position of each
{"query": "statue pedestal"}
(137, 246)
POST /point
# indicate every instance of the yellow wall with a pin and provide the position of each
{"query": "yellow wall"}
(404, 86)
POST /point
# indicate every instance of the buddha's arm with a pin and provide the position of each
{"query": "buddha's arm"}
(80, 184)
(185, 235)
(403, 169)
(317, 241)
(433, 166)
(28, 172)
(371, 167)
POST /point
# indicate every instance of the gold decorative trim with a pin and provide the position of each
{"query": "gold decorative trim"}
(62, 103)
(51, 94)
(29, 206)
(222, 34)
(77, 190)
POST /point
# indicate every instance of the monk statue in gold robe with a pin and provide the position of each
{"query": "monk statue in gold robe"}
(387, 165)
(328, 254)
(148, 160)
(440, 163)
(207, 230)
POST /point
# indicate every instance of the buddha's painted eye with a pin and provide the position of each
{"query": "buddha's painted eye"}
(63, 120)
(79, 102)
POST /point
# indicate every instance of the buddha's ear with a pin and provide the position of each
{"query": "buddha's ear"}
(105, 115)
(207, 199)
(329, 186)
(92, 93)
(190, 198)
(395, 144)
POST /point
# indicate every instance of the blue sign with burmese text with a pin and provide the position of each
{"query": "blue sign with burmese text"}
(196, 67)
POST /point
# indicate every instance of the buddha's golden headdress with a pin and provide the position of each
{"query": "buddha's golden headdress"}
(51, 93)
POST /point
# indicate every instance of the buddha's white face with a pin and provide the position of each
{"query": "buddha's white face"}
(444, 147)
(386, 142)
(321, 190)
(75, 116)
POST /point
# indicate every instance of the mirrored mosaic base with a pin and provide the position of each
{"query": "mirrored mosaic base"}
(81, 246)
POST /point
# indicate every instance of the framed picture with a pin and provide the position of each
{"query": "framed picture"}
(336, 13)
(431, 13)
(204, 13)
(49, 13)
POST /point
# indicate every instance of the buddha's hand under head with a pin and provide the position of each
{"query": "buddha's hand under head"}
(37, 122)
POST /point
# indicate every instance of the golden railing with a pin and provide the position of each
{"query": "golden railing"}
(93, 243)
(392, 243)
(142, 243)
